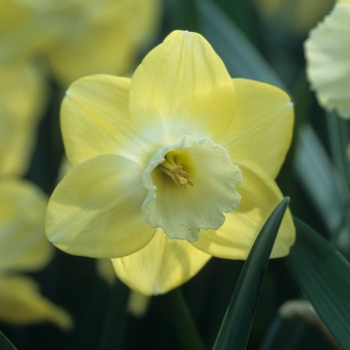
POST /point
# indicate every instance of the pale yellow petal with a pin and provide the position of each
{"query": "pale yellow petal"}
(182, 87)
(102, 48)
(138, 304)
(25, 31)
(95, 210)
(163, 264)
(112, 29)
(21, 303)
(105, 270)
(327, 53)
(23, 243)
(344, 1)
(95, 120)
(262, 126)
(23, 94)
(260, 196)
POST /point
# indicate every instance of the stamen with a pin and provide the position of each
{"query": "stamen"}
(176, 172)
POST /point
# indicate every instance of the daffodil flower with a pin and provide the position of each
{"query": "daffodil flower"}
(327, 53)
(170, 167)
(64, 33)
(24, 248)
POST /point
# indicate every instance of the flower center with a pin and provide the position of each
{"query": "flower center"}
(183, 213)
(176, 172)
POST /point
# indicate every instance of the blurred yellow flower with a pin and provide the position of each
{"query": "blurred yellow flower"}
(327, 52)
(22, 100)
(296, 16)
(24, 248)
(77, 37)
(158, 161)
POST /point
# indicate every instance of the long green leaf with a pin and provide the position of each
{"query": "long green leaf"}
(312, 162)
(324, 276)
(235, 328)
(5, 344)
(240, 56)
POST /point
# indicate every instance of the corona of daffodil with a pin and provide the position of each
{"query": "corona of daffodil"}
(170, 167)
(327, 53)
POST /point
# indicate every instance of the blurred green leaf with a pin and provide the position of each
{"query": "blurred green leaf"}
(235, 328)
(182, 322)
(116, 318)
(327, 193)
(324, 276)
(5, 344)
(240, 56)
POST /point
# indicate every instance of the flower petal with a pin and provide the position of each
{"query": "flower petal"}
(95, 210)
(234, 239)
(180, 210)
(163, 264)
(71, 57)
(95, 120)
(21, 303)
(20, 34)
(23, 244)
(327, 53)
(182, 87)
(22, 96)
(262, 127)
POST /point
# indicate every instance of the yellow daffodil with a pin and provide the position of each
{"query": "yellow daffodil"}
(77, 37)
(170, 167)
(24, 248)
(296, 16)
(22, 100)
(327, 53)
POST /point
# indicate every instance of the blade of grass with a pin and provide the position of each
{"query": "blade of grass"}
(235, 328)
(324, 276)
(5, 344)
(182, 321)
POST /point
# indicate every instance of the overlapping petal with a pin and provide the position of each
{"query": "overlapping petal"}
(327, 53)
(262, 127)
(182, 87)
(21, 303)
(163, 264)
(96, 209)
(234, 239)
(23, 244)
(100, 105)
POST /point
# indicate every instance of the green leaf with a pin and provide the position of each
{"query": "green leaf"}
(116, 319)
(240, 56)
(5, 344)
(312, 162)
(181, 321)
(235, 328)
(324, 276)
